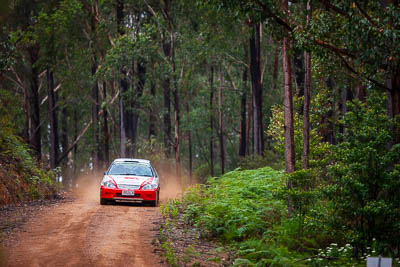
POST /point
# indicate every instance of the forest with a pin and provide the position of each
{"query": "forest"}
(287, 110)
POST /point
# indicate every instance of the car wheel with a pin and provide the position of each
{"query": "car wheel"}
(155, 202)
(103, 201)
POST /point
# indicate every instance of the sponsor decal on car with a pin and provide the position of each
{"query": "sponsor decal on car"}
(148, 181)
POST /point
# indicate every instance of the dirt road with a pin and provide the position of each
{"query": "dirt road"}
(84, 233)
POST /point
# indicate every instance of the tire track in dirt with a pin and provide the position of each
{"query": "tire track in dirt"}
(84, 233)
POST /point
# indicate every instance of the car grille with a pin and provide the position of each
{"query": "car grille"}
(128, 186)
(134, 196)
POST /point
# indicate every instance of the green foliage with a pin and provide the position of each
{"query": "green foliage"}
(344, 204)
(270, 158)
(202, 172)
(243, 209)
(319, 150)
(6, 50)
(365, 177)
(20, 177)
(239, 213)
(343, 254)
(169, 254)
(348, 195)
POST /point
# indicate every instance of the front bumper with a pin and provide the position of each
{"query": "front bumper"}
(116, 194)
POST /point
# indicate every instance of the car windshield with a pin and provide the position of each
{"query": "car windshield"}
(130, 168)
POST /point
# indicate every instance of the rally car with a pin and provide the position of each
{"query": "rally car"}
(130, 180)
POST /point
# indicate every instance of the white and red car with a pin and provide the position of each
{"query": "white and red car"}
(130, 180)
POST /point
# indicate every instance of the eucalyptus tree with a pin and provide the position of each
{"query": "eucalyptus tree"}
(307, 88)
(355, 35)
(265, 13)
(39, 35)
(20, 18)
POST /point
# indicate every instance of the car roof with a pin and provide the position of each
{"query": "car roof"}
(120, 160)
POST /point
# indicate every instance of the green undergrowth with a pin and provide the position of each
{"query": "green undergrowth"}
(246, 211)
(21, 179)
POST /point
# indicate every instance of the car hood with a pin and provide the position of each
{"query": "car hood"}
(131, 180)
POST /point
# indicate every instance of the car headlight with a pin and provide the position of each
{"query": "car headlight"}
(108, 182)
(149, 186)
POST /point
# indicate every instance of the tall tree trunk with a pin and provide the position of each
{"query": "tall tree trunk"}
(290, 160)
(243, 106)
(394, 85)
(167, 49)
(189, 135)
(106, 133)
(64, 141)
(177, 135)
(122, 128)
(346, 95)
(306, 106)
(152, 117)
(221, 125)
(124, 115)
(249, 124)
(95, 98)
(329, 131)
(33, 105)
(255, 70)
(212, 121)
(395, 94)
(54, 144)
(276, 68)
(129, 120)
(395, 101)
(141, 79)
(288, 108)
(27, 112)
(167, 105)
(95, 116)
(64, 126)
(123, 85)
(75, 150)
(177, 128)
(361, 92)
(299, 73)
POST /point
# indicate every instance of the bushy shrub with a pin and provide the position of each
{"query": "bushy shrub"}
(366, 177)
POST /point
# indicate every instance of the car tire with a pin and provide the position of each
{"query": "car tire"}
(155, 202)
(103, 201)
